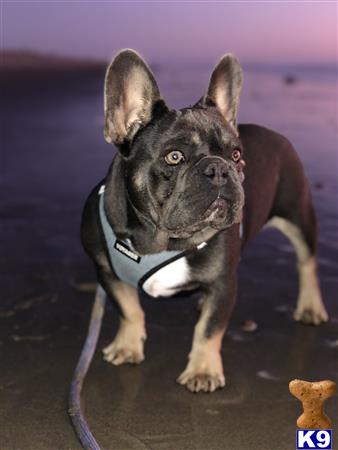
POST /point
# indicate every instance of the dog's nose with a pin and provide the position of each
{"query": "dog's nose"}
(217, 172)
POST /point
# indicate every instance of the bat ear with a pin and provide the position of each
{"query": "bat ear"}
(130, 94)
(225, 88)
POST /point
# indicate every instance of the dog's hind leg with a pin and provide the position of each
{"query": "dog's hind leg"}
(310, 308)
(128, 345)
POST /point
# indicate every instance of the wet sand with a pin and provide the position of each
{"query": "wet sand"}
(53, 154)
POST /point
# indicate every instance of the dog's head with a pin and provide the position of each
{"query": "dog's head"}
(182, 168)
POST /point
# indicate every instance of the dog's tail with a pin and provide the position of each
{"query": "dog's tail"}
(75, 411)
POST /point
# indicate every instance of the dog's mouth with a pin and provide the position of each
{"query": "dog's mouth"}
(214, 217)
(217, 211)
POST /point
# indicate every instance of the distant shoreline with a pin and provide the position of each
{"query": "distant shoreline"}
(12, 60)
(30, 59)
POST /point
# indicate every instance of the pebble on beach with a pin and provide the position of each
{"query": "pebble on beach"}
(249, 326)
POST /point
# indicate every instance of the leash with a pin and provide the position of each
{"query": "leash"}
(75, 410)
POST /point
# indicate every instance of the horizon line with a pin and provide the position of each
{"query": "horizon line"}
(160, 63)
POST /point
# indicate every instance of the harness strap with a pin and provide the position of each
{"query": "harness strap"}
(130, 267)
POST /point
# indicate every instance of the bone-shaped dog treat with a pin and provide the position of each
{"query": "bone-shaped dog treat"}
(313, 395)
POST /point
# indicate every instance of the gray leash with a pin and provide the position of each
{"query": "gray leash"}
(75, 411)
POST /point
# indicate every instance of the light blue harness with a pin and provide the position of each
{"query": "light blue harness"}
(127, 264)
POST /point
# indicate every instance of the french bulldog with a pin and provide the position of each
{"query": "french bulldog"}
(185, 192)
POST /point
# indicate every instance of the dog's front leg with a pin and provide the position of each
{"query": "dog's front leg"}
(204, 371)
(127, 347)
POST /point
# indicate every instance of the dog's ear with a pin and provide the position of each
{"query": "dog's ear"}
(130, 94)
(225, 88)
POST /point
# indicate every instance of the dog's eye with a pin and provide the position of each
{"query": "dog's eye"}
(173, 158)
(236, 155)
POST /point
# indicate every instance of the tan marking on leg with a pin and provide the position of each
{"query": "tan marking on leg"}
(127, 347)
(310, 307)
(293, 233)
(204, 371)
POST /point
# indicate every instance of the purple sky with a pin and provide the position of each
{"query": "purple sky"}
(257, 32)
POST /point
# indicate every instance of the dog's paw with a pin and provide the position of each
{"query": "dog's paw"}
(311, 316)
(127, 347)
(205, 382)
(204, 372)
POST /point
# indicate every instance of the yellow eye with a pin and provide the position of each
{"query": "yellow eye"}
(173, 158)
(236, 155)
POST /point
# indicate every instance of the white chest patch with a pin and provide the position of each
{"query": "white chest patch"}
(167, 281)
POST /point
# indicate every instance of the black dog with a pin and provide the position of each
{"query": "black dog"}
(171, 216)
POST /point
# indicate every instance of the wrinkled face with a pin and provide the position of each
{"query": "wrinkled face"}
(183, 168)
(185, 172)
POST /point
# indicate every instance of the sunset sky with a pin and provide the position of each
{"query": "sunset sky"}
(257, 32)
